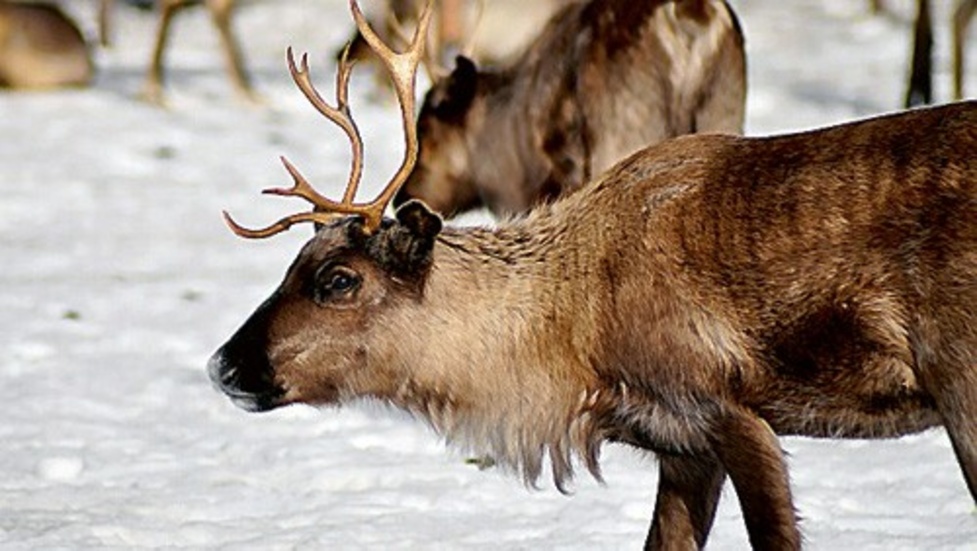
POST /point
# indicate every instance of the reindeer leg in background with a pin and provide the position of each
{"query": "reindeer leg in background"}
(153, 87)
(105, 8)
(921, 73)
(961, 20)
(688, 492)
(220, 12)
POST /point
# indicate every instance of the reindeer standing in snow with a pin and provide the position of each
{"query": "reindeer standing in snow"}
(696, 300)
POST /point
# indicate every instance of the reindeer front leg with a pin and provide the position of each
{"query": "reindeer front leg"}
(220, 14)
(750, 452)
(688, 492)
(153, 87)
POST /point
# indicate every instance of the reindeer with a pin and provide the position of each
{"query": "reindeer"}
(41, 47)
(604, 78)
(220, 13)
(696, 300)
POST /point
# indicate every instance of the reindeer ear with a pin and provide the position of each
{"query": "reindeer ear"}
(404, 247)
(419, 219)
(456, 93)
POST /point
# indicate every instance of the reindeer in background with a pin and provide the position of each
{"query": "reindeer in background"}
(696, 300)
(603, 79)
(41, 47)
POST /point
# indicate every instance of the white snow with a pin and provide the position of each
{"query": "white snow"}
(119, 279)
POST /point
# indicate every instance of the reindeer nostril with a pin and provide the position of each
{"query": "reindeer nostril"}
(229, 376)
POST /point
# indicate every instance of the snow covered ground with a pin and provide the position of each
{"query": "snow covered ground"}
(119, 279)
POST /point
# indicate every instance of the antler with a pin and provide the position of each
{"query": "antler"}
(433, 53)
(403, 70)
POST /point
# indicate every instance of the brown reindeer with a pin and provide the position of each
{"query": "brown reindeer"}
(701, 297)
(41, 47)
(604, 79)
(220, 13)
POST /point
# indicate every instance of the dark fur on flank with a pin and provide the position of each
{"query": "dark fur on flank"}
(699, 299)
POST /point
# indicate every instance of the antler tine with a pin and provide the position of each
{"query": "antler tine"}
(302, 188)
(339, 115)
(431, 61)
(403, 70)
(279, 226)
(326, 209)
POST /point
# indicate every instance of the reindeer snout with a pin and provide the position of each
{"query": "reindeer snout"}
(241, 369)
(250, 391)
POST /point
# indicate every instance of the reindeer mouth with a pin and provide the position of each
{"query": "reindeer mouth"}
(255, 393)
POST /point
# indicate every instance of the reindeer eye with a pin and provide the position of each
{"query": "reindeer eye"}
(335, 282)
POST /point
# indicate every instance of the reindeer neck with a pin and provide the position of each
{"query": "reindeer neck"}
(502, 366)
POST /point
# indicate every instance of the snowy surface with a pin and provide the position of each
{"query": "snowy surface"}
(119, 279)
